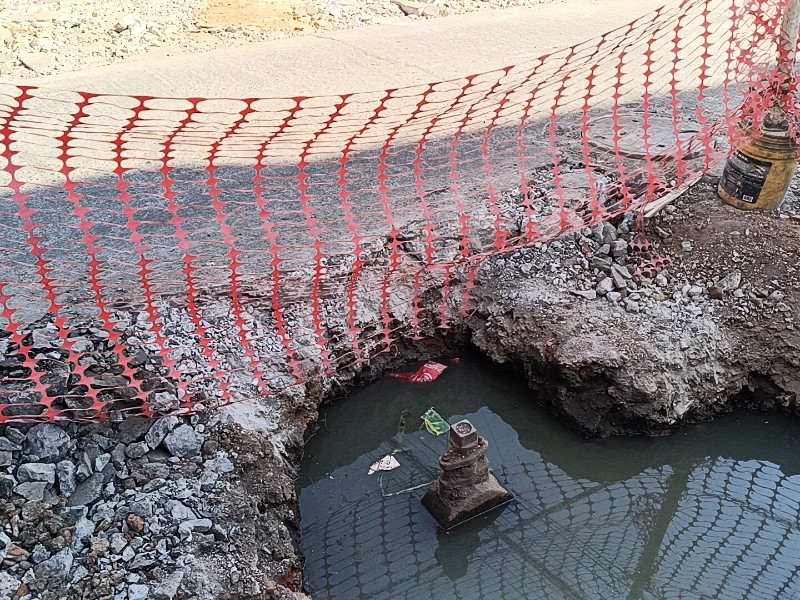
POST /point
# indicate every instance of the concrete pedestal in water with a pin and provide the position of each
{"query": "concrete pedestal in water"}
(466, 487)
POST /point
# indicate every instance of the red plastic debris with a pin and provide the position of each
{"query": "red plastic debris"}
(640, 244)
(428, 372)
(653, 267)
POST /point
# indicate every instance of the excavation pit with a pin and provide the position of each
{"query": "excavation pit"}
(621, 517)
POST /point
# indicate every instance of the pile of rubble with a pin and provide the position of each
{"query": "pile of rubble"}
(658, 270)
(637, 329)
(124, 512)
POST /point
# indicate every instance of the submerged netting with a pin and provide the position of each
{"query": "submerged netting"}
(718, 528)
(165, 255)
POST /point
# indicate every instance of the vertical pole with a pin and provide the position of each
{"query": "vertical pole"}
(758, 174)
(787, 57)
(790, 24)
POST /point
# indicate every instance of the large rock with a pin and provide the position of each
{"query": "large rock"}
(117, 543)
(179, 511)
(47, 441)
(731, 281)
(159, 430)
(137, 450)
(7, 483)
(5, 542)
(219, 464)
(213, 469)
(167, 588)
(84, 529)
(67, 480)
(409, 7)
(37, 472)
(33, 491)
(138, 591)
(38, 62)
(132, 429)
(183, 441)
(8, 585)
(201, 525)
(9, 446)
(88, 491)
(55, 568)
(15, 436)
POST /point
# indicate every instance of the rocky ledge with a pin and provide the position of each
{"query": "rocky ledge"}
(633, 332)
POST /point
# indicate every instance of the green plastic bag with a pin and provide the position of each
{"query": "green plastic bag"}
(434, 422)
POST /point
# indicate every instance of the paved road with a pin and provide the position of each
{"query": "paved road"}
(371, 58)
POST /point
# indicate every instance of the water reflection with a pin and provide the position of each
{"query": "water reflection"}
(630, 518)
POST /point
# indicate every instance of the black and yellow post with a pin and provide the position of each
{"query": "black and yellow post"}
(758, 173)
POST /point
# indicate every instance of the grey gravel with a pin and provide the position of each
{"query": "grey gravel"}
(144, 511)
(159, 430)
(183, 441)
(87, 491)
(47, 441)
(37, 472)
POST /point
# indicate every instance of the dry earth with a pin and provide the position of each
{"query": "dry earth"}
(44, 37)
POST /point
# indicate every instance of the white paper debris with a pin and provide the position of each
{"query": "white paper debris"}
(387, 463)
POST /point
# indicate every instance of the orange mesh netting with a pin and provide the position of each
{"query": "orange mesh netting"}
(165, 255)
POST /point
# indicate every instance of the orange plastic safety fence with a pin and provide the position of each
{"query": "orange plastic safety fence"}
(165, 255)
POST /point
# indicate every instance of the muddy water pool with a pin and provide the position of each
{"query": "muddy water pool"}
(712, 511)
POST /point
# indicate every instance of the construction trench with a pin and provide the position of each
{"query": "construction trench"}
(216, 494)
(174, 333)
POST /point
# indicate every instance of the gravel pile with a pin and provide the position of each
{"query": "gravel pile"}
(650, 270)
(53, 36)
(123, 512)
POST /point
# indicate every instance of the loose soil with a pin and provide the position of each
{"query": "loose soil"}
(269, 15)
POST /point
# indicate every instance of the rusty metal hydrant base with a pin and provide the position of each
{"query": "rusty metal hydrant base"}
(466, 488)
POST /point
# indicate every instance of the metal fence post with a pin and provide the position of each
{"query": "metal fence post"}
(790, 24)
